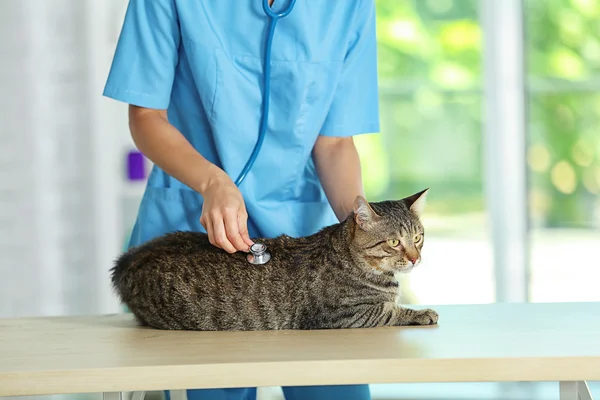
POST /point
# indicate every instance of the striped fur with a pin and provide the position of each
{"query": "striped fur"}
(341, 277)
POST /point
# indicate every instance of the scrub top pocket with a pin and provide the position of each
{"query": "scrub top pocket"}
(293, 124)
(164, 210)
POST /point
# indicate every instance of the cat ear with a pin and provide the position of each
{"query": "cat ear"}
(416, 202)
(364, 215)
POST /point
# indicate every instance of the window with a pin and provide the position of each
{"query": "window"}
(430, 66)
(433, 76)
(563, 80)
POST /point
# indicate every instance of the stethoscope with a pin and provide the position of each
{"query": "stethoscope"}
(274, 18)
(258, 251)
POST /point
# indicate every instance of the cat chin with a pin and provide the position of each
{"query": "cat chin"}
(405, 270)
(399, 270)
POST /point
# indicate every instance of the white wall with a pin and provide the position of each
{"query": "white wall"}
(61, 153)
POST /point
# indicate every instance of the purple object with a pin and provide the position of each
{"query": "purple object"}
(136, 169)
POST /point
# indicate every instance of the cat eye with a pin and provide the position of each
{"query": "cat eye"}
(418, 238)
(393, 242)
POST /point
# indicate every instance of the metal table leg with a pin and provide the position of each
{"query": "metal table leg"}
(123, 395)
(112, 396)
(178, 395)
(575, 390)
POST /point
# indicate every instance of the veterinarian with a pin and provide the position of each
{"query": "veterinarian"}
(191, 71)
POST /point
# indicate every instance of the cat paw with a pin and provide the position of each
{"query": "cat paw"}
(425, 317)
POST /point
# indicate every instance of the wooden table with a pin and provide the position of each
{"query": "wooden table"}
(472, 343)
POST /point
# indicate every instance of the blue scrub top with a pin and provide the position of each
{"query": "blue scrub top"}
(202, 60)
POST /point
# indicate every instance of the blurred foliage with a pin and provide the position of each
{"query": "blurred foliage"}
(430, 67)
(563, 55)
(430, 71)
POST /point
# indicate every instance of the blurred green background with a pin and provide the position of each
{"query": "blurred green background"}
(432, 103)
(430, 71)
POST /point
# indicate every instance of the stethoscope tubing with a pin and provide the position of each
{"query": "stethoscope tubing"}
(274, 17)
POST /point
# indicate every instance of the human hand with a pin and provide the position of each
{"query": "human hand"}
(224, 215)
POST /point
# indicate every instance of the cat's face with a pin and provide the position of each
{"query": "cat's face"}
(389, 235)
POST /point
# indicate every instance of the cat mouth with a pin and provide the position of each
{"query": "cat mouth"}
(407, 267)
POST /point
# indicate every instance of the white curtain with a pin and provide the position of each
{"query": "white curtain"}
(61, 146)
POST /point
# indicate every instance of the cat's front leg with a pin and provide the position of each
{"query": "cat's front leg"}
(408, 316)
(389, 314)
(392, 314)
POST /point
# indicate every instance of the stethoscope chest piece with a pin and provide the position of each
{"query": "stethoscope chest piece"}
(258, 254)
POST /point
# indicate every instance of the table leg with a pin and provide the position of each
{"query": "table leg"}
(138, 395)
(123, 395)
(575, 390)
(584, 390)
(112, 396)
(178, 395)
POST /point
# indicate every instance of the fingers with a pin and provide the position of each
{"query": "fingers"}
(227, 230)
(220, 236)
(233, 231)
(209, 229)
(224, 217)
(242, 223)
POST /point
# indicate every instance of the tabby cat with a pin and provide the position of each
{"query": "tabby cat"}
(340, 277)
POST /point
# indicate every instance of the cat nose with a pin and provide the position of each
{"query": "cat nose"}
(414, 261)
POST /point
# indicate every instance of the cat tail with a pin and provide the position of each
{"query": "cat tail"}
(121, 275)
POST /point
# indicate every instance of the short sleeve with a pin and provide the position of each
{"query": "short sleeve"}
(146, 56)
(355, 106)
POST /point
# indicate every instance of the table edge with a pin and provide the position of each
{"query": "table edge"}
(299, 373)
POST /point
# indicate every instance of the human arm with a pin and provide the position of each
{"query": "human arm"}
(354, 110)
(224, 214)
(165, 146)
(142, 75)
(338, 167)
